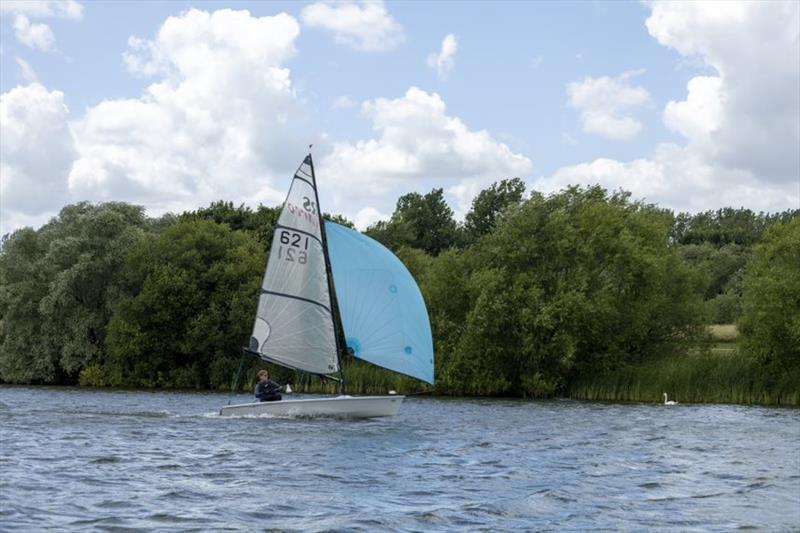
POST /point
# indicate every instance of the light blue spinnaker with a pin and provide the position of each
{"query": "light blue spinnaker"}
(383, 314)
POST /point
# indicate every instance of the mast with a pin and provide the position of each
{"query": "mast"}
(328, 276)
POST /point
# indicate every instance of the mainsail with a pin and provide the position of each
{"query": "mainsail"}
(294, 323)
(383, 314)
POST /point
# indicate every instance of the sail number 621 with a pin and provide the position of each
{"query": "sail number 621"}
(295, 249)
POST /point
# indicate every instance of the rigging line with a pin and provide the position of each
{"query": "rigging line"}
(238, 373)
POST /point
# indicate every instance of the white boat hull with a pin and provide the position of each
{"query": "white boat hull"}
(338, 407)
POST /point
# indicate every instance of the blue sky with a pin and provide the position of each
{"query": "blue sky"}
(172, 105)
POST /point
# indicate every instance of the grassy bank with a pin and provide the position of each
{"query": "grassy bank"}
(722, 375)
(719, 374)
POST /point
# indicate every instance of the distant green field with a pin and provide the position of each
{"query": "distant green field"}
(723, 332)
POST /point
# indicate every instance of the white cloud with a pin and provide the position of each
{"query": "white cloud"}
(367, 216)
(742, 126)
(753, 103)
(605, 104)
(69, 9)
(444, 61)
(419, 147)
(568, 139)
(220, 121)
(26, 70)
(38, 36)
(367, 26)
(700, 115)
(463, 194)
(344, 102)
(679, 178)
(33, 122)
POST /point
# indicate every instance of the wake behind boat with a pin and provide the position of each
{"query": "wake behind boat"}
(383, 316)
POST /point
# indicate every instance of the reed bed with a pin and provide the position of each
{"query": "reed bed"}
(360, 378)
(722, 375)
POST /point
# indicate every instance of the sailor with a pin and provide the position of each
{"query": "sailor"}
(266, 389)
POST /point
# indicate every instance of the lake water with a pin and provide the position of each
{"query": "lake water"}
(111, 460)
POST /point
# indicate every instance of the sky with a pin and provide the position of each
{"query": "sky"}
(175, 104)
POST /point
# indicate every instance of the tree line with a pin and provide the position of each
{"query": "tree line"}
(528, 294)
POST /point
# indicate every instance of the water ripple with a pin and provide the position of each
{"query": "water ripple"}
(113, 460)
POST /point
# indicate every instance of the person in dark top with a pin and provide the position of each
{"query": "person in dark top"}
(266, 389)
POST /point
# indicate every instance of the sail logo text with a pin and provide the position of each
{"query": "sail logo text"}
(302, 213)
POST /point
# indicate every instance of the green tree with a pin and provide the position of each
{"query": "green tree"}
(578, 282)
(770, 323)
(489, 205)
(416, 261)
(88, 248)
(338, 219)
(393, 233)
(259, 223)
(26, 355)
(70, 291)
(725, 226)
(423, 222)
(190, 295)
(722, 268)
(719, 244)
(445, 288)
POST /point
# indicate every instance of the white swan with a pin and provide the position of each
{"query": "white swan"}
(667, 401)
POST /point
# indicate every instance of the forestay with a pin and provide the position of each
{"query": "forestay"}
(294, 324)
(382, 310)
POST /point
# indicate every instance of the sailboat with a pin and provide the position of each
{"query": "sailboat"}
(314, 265)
